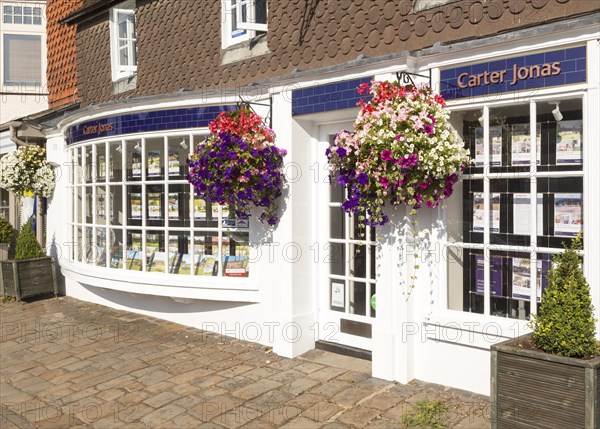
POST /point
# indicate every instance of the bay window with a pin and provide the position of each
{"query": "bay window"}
(132, 209)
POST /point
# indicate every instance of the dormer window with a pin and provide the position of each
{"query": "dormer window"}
(123, 41)
(243, 20)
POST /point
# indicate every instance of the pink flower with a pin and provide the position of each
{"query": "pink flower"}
(384, 181)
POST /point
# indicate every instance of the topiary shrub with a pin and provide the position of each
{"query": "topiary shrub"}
(565, 324)
(27, 246)
(6, 231)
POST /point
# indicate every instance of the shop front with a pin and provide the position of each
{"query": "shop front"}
(422, 298)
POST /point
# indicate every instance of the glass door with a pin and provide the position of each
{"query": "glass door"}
(347, 285)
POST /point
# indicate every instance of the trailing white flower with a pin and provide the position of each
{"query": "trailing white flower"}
(26, 170)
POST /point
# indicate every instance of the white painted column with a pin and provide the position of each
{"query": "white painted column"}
(591, 179)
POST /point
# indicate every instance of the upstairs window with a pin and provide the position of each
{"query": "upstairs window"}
(22, 59)
(28, 15)
(243, 20)
(123, 41)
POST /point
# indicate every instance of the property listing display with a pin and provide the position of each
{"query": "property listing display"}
(509, 229)
(145, 216)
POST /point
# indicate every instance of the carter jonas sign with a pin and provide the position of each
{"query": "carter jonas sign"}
(527, 72)
(466, 80)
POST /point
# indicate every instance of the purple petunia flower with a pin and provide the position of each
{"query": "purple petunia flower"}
(341, 152)
(428, 129)
(386, 155)
(362, 178)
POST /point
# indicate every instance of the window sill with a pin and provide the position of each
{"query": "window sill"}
(250, 48)
(124, 84)
(472, 330)
(181, 287)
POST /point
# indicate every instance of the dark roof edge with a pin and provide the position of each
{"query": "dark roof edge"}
(87, 13)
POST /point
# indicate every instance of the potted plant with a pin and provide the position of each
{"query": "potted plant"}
(551, 378)
(31, 273)
(6, 236)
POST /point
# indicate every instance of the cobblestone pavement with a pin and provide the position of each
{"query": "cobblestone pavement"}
(70, 364)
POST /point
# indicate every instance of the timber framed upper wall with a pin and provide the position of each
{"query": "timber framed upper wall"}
(179, 42)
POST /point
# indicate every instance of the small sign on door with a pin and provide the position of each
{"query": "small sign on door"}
(338, 294)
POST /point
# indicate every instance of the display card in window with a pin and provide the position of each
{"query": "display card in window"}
(173, 205)
(521, 144)
(495, 275)
(522, 217)
(173, 161)
(568, 142)
(495, 146)
(154, 205)
(521, 284)
(154, 163)
(568, 216)
(136, 205)
(478, 212)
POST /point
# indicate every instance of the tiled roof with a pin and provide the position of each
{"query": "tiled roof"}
(179, 42)
(62, 59)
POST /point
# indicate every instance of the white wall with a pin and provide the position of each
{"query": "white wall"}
(18, 100)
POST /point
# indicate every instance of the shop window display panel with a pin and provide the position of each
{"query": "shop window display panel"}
(558, 202)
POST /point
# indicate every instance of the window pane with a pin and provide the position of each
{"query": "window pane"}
(261, 11)
(115, 153)
(8, 19)
(178, 202)
(134, 205)
(134, 160)
(116, 205)
(116, 248)
(18, 19)
(123, 56)
(37, 11)
(100, 207)
(22, 58)
(134, 254)
(154, 158)
(156, 257)
(205, 253)
(101, 247)
(179, 253)
(179, 149)
(8, 10)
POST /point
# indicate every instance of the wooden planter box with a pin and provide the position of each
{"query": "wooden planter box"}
(532, 389)
(29, 277)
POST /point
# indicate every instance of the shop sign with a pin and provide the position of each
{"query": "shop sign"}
(535, 71)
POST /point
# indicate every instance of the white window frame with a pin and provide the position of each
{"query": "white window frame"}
(532, 175)
(244, 29)
(122, 71)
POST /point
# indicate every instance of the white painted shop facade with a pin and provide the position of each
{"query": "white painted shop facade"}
(129, 234)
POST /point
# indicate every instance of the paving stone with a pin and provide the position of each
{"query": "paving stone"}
(154, 377)
(302, 423)
(161, 415)
(331, 388)
(474, 422)
(288, 376)
(161, 399)
(160, 387)
(354, 377)
(349, 397)
(111, 395)
(269, 400)
(261, 373)
(186, 421)
(380, 423)
(188, 401)
(326, 374)
(209, 409)
(190, 376)
(255, 389)
(335, 425)
(185, 389)
(235, 383)
(237, 417)
(306, 400)
(358, 416)
(279, 415)
(384, 401)
(308, 367)
(322, 411)
(300, 386)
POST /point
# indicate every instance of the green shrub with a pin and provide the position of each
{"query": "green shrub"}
(426, 414)
(565, 323)
(6, 231)
(27, 246)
